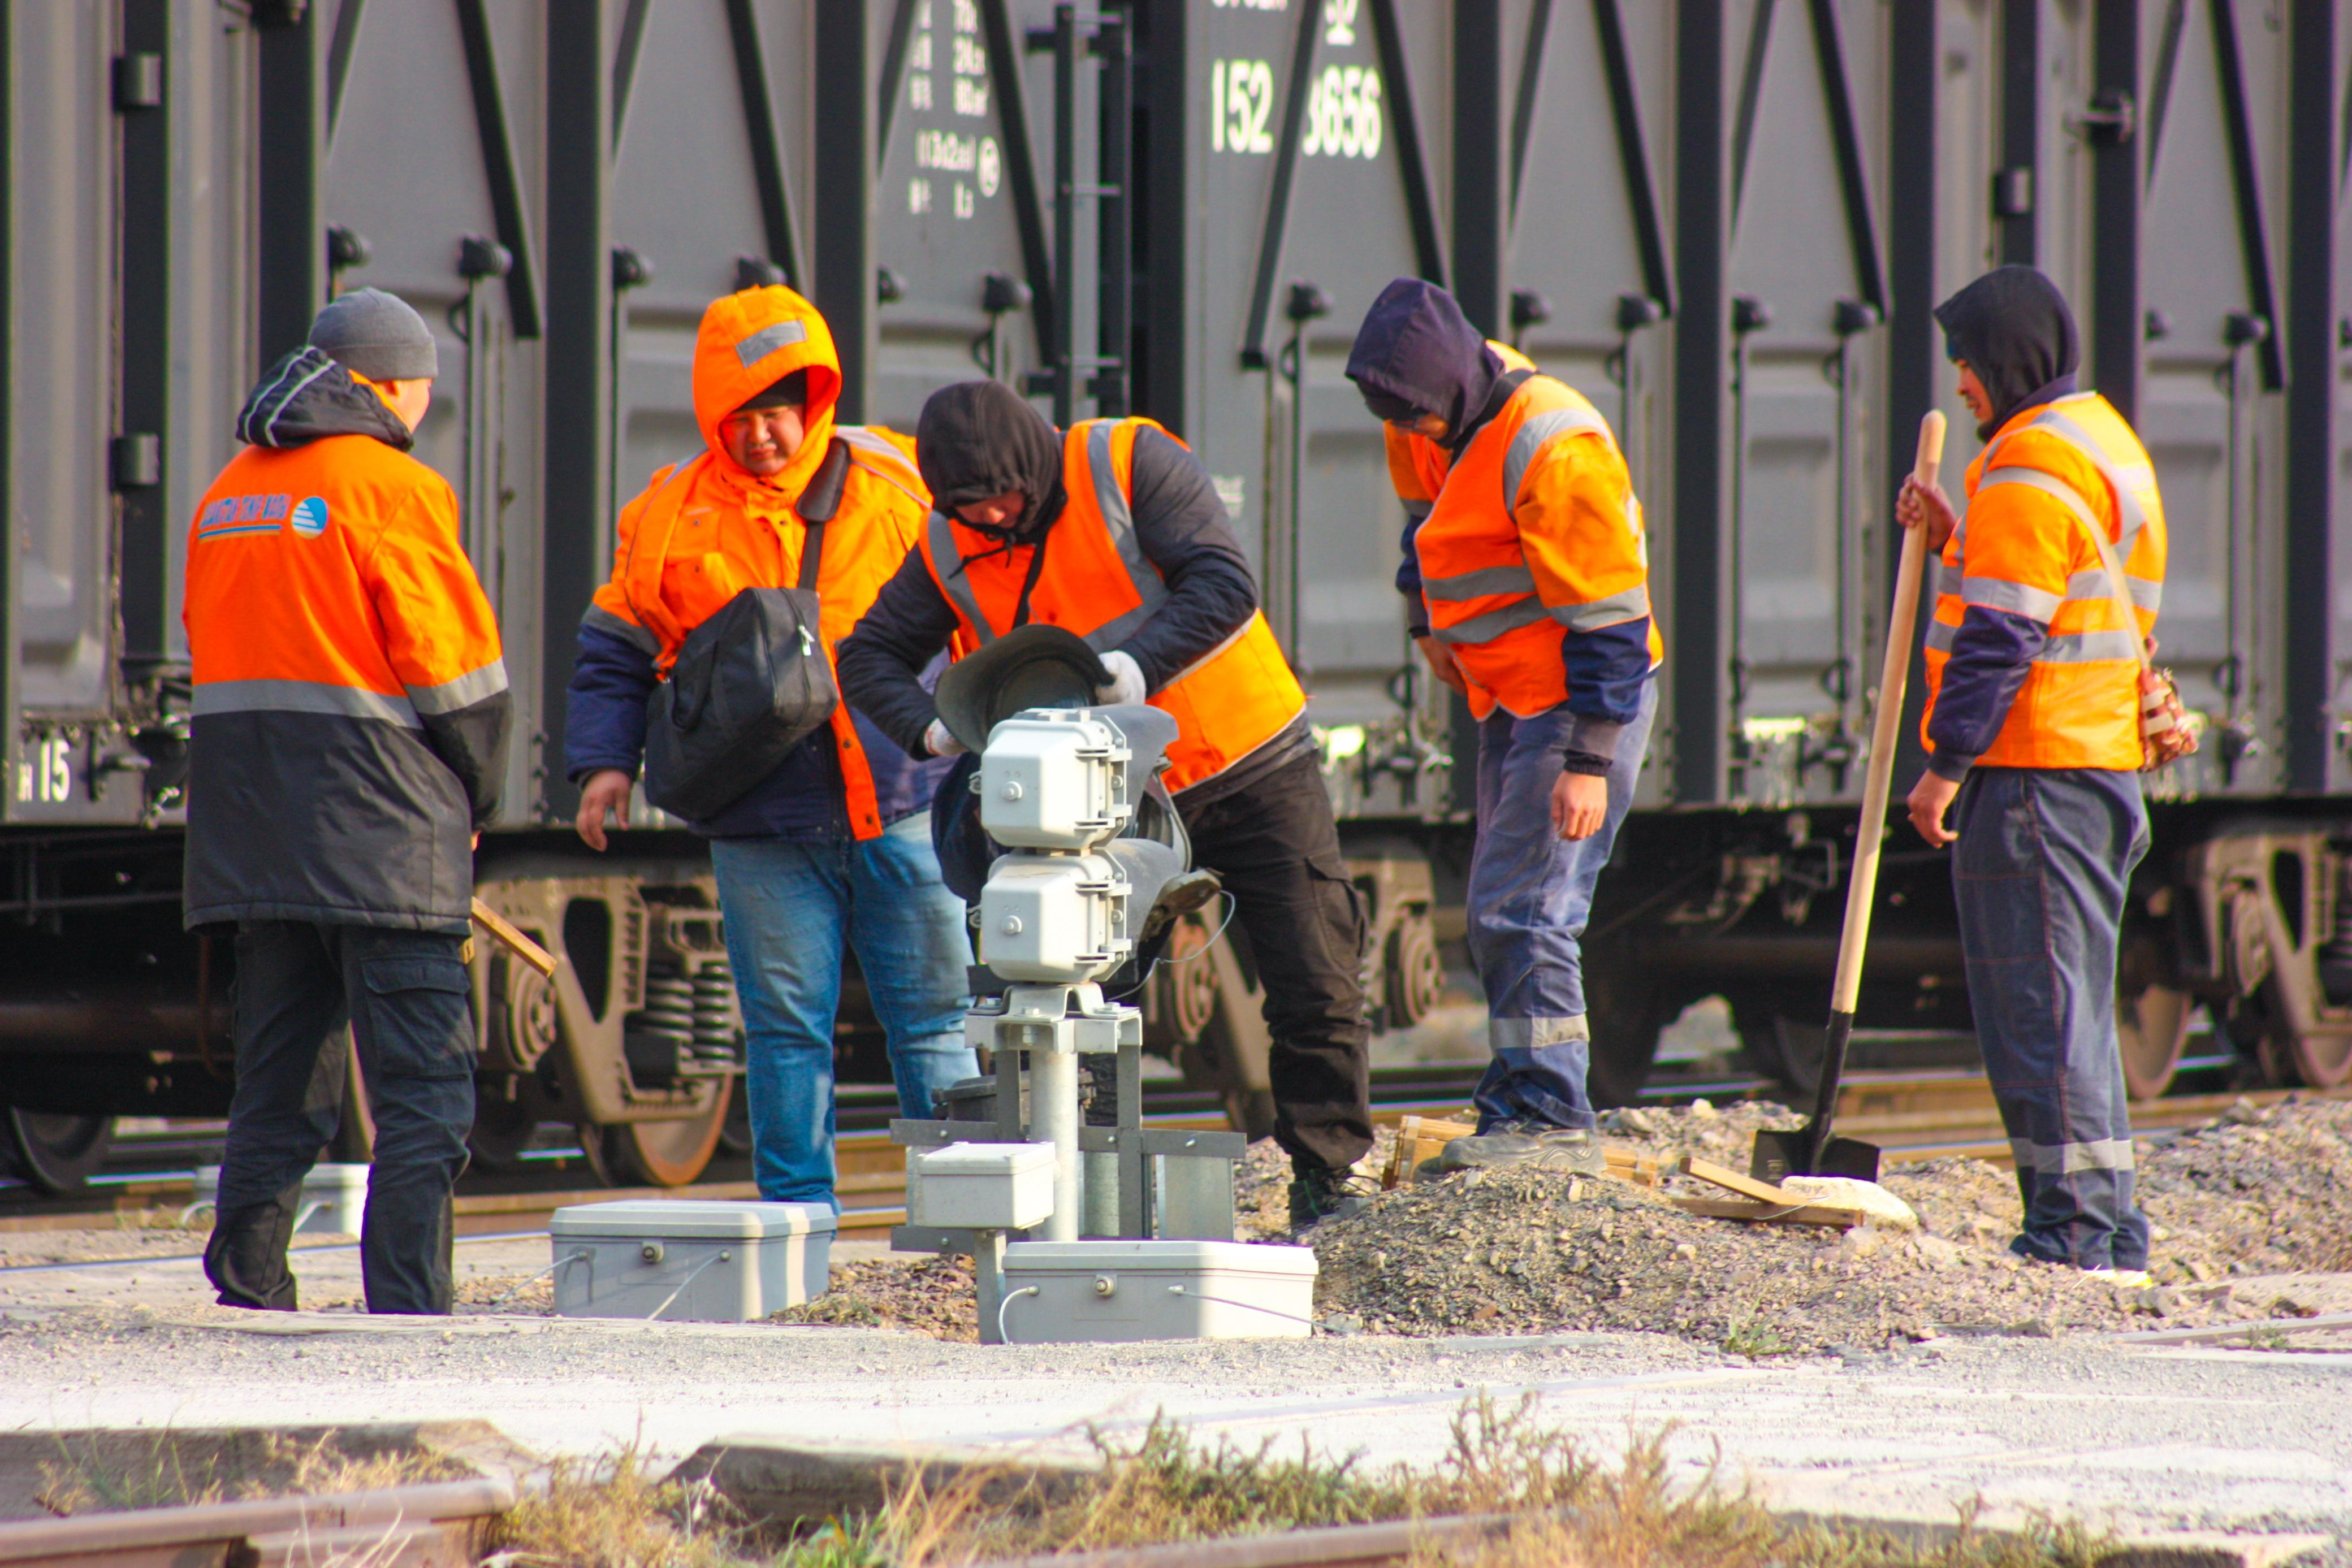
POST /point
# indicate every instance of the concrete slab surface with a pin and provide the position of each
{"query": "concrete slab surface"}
(2134, 1436)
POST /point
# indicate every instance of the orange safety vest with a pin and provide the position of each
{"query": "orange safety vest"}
(703, 530)
(1536, 527)
(2050, 474)
(1097, 582)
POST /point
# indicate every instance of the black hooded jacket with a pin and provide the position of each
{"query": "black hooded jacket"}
(978, 439)
(2014, 330)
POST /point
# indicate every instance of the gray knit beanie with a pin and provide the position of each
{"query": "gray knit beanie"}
(379, 335)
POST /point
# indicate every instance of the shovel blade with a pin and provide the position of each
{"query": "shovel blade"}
(1777, 1155)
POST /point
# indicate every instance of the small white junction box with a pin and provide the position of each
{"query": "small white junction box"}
(689, 1261)
(1110, 1290)
(982, 1186)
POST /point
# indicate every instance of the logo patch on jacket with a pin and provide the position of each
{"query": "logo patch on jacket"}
(310, 517)
(242, 515)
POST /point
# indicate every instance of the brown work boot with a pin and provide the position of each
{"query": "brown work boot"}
(1527, 1142)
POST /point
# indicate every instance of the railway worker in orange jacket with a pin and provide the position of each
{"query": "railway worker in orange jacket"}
(348, 745)
(1114, 531)
(2032, 719)
(1528, 579)
(833, 849)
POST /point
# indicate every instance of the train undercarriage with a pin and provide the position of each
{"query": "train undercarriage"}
(107, 1009)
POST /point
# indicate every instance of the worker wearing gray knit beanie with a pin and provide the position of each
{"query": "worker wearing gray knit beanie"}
(378, 335)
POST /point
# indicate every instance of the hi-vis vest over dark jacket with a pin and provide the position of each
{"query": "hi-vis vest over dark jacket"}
(1535, 529)
(2023, 550)
(351, 700)
(1097, 582)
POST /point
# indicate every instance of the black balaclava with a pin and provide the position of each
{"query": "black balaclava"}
(978, 439)
(2014, 330)
(1417, 353)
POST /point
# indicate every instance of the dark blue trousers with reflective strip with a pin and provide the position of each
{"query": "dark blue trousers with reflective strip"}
(2040, 873)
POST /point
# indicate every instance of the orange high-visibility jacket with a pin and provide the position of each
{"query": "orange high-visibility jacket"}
(1535, 529)
(2050, 474)
(1097, 582)
(704, 530)
(1417, 465)
(351, 700)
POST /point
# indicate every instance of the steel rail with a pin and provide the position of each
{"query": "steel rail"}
(336, 1521)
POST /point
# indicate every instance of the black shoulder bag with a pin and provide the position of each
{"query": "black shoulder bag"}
(750, 683)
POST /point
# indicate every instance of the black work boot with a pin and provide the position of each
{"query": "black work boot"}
(246, 1258)
(1525, 1142)
(1318, 1192)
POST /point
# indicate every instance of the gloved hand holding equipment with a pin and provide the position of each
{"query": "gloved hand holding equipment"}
(1810, 1150)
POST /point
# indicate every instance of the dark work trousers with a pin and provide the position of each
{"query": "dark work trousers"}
(1274, 844)
(405, 997)
(2039, 871)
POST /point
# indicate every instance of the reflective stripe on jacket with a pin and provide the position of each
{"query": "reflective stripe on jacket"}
(351, 701)
(1536, 528)
(704, 530)
(1097, 582)
(2023, 549)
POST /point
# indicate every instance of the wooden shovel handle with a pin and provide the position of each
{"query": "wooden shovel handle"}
(1902, 627)
(512, 940)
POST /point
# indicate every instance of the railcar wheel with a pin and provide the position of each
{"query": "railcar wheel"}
(2151, 1029)
(2322, 1060)
(658, 1154)
(57, 1154)
(1416, 973)
(1191, 979)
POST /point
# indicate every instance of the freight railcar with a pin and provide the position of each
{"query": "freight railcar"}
(1726, 220)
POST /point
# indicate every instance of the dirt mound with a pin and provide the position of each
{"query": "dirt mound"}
(1524, 1251)
(930, 1294)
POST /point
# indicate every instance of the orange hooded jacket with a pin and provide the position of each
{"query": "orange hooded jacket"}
(706, 530)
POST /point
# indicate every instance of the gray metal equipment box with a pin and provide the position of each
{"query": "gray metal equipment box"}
(689, 1261)
(1116, 1290)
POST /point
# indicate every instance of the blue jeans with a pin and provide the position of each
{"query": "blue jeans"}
(789, 907)
(1530, 893)
(2044, 857)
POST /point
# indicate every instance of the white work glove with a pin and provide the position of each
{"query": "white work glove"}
(939, 742)
(1126, 679)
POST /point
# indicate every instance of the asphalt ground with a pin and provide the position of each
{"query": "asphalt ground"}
(2121, 1434)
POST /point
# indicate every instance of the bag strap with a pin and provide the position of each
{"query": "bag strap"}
(2117, 589)
(1029, 584)
(819, 501)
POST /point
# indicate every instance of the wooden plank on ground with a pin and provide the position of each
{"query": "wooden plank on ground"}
(1747, 1186)
(1823, 1214)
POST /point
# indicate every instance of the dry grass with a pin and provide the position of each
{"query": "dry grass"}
(109, 1472)
(616, 1513)
(1567, 1510)
(1564, 1510)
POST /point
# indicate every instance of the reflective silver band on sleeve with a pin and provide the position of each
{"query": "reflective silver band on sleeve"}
(1615, 610)
(215, 697)
(2016, 598)
(629, 631)
(1484, 580)
(473, 687)
(1495, 622)
(1940, 635)
(881, 459)
(1530, 438)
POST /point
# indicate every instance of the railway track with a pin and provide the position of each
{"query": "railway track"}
(1911, 1115)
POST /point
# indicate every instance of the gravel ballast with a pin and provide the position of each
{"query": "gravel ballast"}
(1528, 1251)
